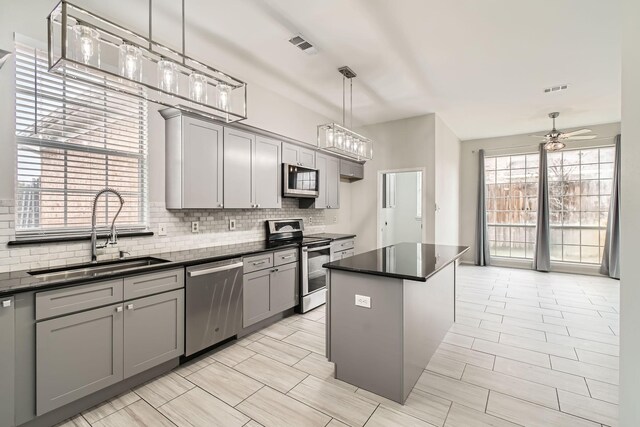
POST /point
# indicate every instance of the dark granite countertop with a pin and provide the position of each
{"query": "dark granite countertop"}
(22, 281)
(409, 261)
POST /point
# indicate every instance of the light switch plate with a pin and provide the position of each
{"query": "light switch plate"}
(195, 226)
(232, 224)
(162, 230)
(363, 301)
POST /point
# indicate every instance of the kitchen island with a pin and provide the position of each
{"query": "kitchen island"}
(388, 311)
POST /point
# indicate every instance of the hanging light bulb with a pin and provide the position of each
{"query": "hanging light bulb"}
(198, 87)
(87, 45)
(130, 61)
(167, 76)
(224, 90)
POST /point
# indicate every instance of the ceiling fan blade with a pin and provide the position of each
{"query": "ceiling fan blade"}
(576, 138)
(577, 132)
(538, 136)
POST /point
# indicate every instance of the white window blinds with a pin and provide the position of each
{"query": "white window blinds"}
(74, 139)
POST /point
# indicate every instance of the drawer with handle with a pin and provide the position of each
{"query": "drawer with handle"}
(285, 257)
(342, 245)
(153, 283)
(58, 302)
(257, 262)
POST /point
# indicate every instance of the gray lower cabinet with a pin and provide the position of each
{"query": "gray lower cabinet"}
(255, 297)
(153, 331)
(238, 168)
(7, 362)
(297, 155)
(284, 288)
(268, 292)
(194, 163)
(329, 182)
(77, 355)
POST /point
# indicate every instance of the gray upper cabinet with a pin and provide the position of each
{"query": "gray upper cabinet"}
(154, 331)
(77, 355)
(238, 168)
(194, 163)
(267, 173)
(296, 155)
(329, 184)
(251, 170)
(351, 170)
(7, 366)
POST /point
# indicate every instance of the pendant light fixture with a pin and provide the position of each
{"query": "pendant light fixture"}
(340, 139)
(87, 47)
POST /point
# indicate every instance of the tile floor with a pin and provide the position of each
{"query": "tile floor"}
(527, 349)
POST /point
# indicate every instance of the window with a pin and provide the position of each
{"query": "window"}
(579, 196)
(512, 203)
(74, 139)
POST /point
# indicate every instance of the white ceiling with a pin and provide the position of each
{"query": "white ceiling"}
(481, 65)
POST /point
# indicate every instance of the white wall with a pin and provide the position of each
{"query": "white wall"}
(399, 144)
(630, 213)
(504, 145)
(447, 183)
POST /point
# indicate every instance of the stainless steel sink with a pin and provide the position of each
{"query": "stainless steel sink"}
(94, 270)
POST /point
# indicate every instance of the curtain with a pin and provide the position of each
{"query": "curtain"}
(541, 257)
(611, 256)
(482, 241)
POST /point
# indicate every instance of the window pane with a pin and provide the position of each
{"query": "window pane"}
(590, 237)
(590, 255)
(512, 202)
(571, 253)
(571, 236)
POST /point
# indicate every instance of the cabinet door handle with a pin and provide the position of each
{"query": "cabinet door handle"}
(274, 270)
(286, 257)
(129, 306)
(6, 303)
(118, 309)
(220, 205)
(259, 263)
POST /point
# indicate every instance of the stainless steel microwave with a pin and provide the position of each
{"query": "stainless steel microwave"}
(298, 181)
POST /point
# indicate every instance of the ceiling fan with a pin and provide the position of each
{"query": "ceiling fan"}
(555, 139)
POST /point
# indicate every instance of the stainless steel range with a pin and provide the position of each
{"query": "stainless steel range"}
(315, 251)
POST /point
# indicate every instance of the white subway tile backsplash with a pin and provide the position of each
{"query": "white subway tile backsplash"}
(214, 231)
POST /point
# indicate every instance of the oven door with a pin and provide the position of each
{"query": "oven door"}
(298, 181)
(314, 277)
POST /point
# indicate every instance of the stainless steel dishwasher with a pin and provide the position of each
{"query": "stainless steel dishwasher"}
(213, 304)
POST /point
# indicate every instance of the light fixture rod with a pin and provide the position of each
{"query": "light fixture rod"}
(150, 25)
(183, 40)
(351, 103)
(343, 101)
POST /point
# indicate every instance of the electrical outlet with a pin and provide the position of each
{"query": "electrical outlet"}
(232, 224)
(195, 226)
(363, 301)
(162, 230)
(310, 220)
(335, 219)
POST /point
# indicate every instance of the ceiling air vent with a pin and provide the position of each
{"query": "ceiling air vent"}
(303, 45)
(557, 88)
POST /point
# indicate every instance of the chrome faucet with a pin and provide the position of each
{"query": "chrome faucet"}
(112, 239)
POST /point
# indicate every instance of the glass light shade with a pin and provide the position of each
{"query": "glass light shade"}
(329, 135)
(167, 76)
(86, 45)
(198, 87)
(130, 62)
(340, 139)
(223, 96)
(348, 143)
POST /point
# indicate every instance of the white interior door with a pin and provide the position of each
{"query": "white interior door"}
(400, 215)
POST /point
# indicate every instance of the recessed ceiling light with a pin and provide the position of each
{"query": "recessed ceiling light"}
(556, 88)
